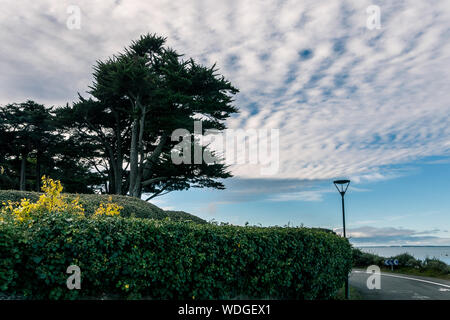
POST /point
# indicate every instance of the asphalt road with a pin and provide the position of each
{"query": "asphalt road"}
(394, 286)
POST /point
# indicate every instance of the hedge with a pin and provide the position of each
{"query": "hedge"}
(145, 258)
(132, 207)
(10, 255)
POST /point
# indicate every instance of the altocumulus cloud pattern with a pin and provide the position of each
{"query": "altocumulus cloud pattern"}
(347, 100)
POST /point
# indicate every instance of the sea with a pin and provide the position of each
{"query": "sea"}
(419, 252)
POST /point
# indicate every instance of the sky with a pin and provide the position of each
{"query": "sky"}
(348, 100)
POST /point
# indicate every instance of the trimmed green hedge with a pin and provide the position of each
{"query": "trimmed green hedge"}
(134, 258)
(132, 207)
(10, 255)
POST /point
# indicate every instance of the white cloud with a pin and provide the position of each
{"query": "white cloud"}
(308, 196)
(347, 100)
(367, 235)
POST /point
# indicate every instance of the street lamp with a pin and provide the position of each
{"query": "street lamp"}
(342, 186)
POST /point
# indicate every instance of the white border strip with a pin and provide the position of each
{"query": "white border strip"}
(402, 277)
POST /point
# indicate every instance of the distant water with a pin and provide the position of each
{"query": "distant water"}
(441, 253)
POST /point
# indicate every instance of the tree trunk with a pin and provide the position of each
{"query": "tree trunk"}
(38, 172)
(117, 155)
(23, 168)
(138, 184)
(119, 163)
(110, 181)
(133, 157)
(115, 172)
(118, 179)
(154, 156)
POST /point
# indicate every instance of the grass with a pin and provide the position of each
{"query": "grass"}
(132, 207)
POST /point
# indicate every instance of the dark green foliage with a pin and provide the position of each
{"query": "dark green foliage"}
(101, 128)
(405, 261)
(31, 145)
(156, 92)
(134, 258)
(437, 266)
(118, 139)
(10, 255)
(177, 215)
(28, 128)
(364, 259)
(132, 207)
(324, 230)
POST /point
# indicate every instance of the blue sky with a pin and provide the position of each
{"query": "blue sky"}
(411, 208)
(371, 105)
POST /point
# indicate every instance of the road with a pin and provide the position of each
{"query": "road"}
(394, 286)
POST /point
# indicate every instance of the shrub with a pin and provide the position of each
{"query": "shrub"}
(436, 265)
(10, 246)
(364, 259)
(108, 209)
(159, 259)
(132, 207)
(407, 260)
(51, 202)
(129, 257)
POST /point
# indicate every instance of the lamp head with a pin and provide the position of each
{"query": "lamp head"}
(341, 185)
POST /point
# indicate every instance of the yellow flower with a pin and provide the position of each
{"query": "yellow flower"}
(51, 201)
(108, 209)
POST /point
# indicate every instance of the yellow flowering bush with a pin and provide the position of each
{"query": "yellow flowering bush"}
(108, 209)
(52, 201)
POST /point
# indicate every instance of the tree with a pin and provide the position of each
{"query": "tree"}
(133, 77)
(29, 126)
(155, 92)
(5, 150)
(103, 127)
(31, 145)
(166, 176)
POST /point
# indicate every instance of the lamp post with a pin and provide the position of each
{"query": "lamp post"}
(342, 186)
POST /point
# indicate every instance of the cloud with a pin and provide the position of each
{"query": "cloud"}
(367, 235)
(314, 192)
(244, 190)
(348, 101)
(210, 209)
(438, 161)
(309, 196)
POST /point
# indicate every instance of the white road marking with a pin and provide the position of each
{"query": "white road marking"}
(408, 278)
(419, 297)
